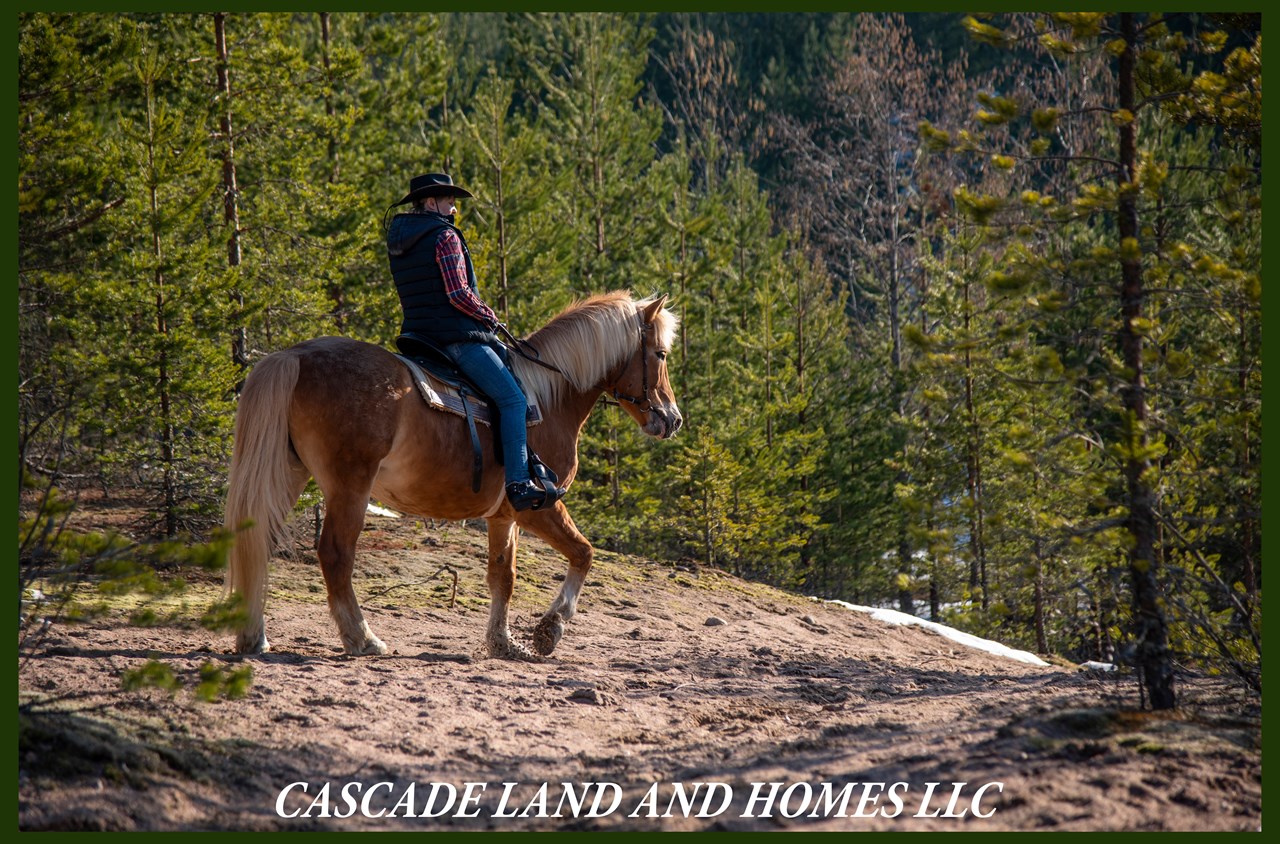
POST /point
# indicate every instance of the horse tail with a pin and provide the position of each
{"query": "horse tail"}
(262, 487)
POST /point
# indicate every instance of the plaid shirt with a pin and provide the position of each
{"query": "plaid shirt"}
(453, 265)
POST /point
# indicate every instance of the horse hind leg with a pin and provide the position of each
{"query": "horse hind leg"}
(264, 481)
(343, 521)
(252, 637)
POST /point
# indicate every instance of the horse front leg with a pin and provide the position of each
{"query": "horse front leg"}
(504, 537)
(558, 530)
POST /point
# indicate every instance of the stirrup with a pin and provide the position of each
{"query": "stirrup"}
(547, 479)
(528, 495)
(550, 495)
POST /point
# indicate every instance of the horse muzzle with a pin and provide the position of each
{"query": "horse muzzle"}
(663, 421)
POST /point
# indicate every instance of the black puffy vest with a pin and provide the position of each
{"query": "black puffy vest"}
(411, 249)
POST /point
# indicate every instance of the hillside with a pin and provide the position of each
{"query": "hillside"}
(668, 675)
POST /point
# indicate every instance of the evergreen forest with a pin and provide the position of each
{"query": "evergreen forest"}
(970, 305)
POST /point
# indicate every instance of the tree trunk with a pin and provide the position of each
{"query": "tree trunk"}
(230, 191)
(504, 282)
(1153, 657)
(806, 555)
(768, 363)
(164, 387)
(330, 110)
(906, 603)
(1042, 641)
(935, 613)
(977, 541)
(336, 293)
(684, 312)
(1250, 576)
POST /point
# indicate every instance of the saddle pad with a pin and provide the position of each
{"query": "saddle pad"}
(440, 396)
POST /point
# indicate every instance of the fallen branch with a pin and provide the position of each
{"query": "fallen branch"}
(453, 598)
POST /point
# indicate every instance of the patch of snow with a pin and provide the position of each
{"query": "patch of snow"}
(968, 639)
(1098, 666)
(375, 510)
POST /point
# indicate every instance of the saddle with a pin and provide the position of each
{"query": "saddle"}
(446, 388)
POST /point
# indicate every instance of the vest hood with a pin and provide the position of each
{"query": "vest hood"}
(407, 229)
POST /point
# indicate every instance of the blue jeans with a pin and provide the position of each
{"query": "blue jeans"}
(482, 365)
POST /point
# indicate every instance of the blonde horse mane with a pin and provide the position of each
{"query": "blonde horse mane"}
(588, 340)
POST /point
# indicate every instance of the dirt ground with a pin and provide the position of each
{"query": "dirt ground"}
(670, 679)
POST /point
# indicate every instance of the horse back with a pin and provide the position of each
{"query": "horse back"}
(348, 401)
(356, 418)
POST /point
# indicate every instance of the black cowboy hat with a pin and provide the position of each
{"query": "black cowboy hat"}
(432, 184)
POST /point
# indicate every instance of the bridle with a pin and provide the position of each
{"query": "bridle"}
(644, 375)
(642, 403)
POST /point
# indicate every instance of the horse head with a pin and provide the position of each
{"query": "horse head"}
(641, 386)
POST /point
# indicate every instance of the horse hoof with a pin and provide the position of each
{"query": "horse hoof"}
(513, 651)
(371, 647)
(548, 633)
(258, 645)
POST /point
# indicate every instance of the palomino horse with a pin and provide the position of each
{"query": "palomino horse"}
(347, 414)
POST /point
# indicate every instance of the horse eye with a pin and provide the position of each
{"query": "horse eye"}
(661, 355)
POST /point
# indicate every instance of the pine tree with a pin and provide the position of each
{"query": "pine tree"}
(160, 396)
(588, 68)
(522, 253)
(1112, 231)
(370, 117)
(69, 68)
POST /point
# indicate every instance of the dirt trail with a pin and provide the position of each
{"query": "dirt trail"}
(667, 675)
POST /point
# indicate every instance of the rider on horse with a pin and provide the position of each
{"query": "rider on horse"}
(438, 294)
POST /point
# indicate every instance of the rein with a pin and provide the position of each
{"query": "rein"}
(516, 343)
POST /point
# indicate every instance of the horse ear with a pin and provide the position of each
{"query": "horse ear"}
(652, 310)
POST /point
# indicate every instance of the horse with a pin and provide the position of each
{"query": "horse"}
(347, 413)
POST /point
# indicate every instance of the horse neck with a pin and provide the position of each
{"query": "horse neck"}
(571, 411)
(556, 439)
